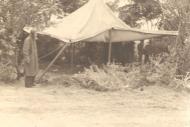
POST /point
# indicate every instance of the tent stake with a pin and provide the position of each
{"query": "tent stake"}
(52, 62)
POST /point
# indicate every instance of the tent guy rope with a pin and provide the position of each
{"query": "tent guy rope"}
(52, 62)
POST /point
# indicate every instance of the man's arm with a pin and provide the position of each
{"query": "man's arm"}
(26, 51)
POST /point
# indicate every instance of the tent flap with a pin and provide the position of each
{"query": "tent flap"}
(128, 35)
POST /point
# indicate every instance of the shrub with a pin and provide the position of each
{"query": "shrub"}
(182, 82)
(113, 77)
(116, 77)
(7, 73)
(163, 72)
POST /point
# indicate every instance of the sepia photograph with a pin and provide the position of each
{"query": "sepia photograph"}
(94, 63)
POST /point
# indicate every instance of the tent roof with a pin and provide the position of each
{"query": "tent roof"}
(96, 22)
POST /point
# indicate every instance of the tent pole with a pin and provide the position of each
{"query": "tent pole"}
(74, 45)
(72, 56)
(109, 52)
(109, 48)
(52, 62)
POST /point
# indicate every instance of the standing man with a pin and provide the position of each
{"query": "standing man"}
(30, 59)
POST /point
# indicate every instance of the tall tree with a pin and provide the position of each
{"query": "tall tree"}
(14, 16)
(170, 18)
(176, 16)
(140, 10)
(69, 6)
(183, 39)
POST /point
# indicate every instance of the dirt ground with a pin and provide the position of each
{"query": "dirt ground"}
(58, 106)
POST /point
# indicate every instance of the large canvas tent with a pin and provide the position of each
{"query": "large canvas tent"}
(95, 22)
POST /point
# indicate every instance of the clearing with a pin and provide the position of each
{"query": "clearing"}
(58, 106)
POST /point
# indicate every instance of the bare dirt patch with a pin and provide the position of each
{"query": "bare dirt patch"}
(58, 106)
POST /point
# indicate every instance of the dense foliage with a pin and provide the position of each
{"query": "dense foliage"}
(14, 16)
(69, 6)
(140, 10)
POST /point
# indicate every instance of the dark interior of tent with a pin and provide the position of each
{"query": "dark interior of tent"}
(80, 54)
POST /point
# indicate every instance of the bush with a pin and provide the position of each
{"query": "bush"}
(182, 82)
(115, 77)
(112, 77)
(7, 73)
(163, 72)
